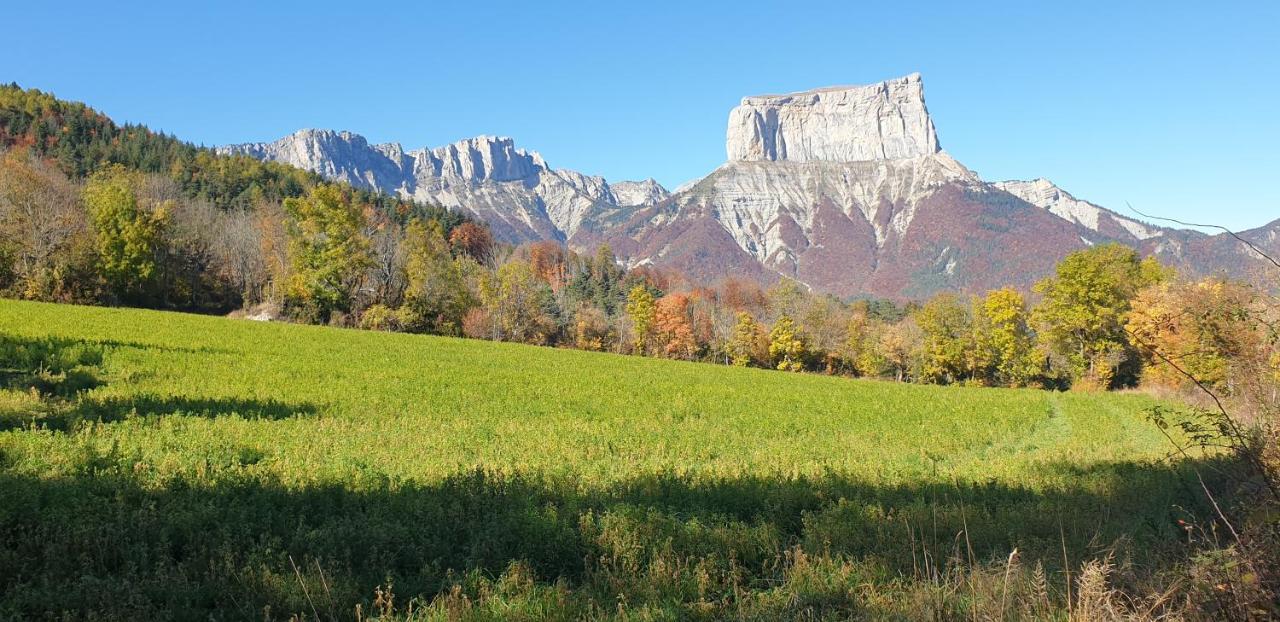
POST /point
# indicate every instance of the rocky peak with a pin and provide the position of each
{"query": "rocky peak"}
(1045, 194)
(645, 192)
(337, 155)
(483, 158)
(883, 121)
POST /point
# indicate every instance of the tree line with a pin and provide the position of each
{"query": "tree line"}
(95, 213)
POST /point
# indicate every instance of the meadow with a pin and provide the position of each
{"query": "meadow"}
(168, 466)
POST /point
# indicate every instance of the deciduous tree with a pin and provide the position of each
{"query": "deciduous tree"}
(327, 251)
(641, 310)
(787, 346)
(129, 235)
(473, 240)
(436, 297)
(1206, 328)
(1085, 306)
(1003, 339)
(946, 328)
(744, 346)
(673, 327)
(43, 227)
(520, 305)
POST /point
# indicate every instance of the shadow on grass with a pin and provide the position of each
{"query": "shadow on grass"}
(66, 416)
(137, 345)
(111, 540)
(53, 376)
(111, 409)
(48, 366)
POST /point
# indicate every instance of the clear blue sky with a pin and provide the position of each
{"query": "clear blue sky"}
(1171, 106)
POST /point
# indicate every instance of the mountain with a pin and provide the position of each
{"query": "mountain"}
(846, 189)
(512, 189)
(1043, 193)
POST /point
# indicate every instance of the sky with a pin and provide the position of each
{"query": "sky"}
(1168, 106)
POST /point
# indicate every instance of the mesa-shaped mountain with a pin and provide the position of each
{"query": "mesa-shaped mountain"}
(845, 189)
(884, 121)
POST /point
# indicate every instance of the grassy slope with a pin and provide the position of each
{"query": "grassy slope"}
(226, 446)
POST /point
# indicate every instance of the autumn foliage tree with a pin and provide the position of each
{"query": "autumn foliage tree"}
(1084, 309)
(1204, 328)
(44, 233)
(787, 346)
(946, 327)
(436, 297)
(129, 234)
(549, 262)
(327, 250)
(519, 304)
(641, 310)
(673, 326)
(591, 329)
(749, 343)
(1003, 341)
(473, 240)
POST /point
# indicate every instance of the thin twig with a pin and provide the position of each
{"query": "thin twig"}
(1218, 509)
(1066, 566)
(1229, 232)
(1240, 437)
(333, 615)
(305, 591)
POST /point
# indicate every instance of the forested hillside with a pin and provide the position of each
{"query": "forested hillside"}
(97, 212)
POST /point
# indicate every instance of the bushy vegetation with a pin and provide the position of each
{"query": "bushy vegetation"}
(206, 467)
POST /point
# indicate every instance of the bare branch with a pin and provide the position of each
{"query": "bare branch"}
(1229, 232)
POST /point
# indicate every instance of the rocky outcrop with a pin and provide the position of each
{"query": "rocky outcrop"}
(645, 192)
(334, 155)
(882, 121)
(484, 158)
(1043, 193)
(512, 189)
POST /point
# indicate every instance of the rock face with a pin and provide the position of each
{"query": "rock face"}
(645, 192)
(514, 190)
(845, 189)
(1043, 193)
(883, 121)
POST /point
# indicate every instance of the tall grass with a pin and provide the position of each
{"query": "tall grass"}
(227, 469)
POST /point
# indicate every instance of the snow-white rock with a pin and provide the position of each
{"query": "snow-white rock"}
(488, 176)
(882, 121)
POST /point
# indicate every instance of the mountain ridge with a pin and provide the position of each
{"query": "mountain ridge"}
(846, 189)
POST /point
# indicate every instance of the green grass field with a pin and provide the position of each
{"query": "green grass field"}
(189, 467)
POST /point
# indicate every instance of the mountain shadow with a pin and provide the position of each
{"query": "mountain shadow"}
(121, 538)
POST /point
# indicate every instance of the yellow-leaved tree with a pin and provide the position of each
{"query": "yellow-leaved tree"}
(1085, 307)
(641, 311)
(130, 234)
(1004, 340)
(787, 345)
